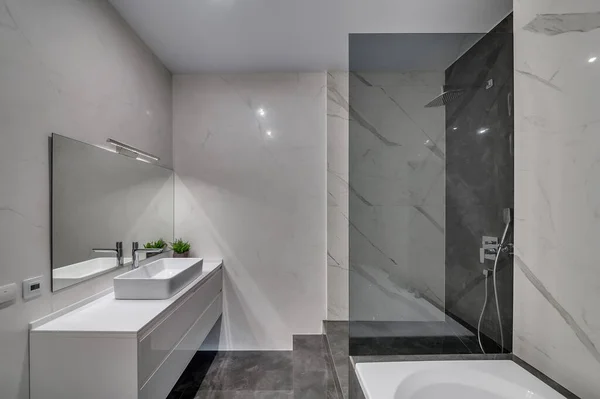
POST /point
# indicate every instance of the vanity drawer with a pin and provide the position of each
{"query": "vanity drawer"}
(165, 378)
(156, 345)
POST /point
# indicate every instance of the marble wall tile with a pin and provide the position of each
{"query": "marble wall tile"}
(337, 195)
(396, 196)
(479, 180)
(427, 233)
(250, 156)
(74, 68)
(557, 200)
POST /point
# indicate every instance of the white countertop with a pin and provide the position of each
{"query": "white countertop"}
(110, 315)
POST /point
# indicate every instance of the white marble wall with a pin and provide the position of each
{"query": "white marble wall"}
(70, 67)
(337, 195)
(557, 190)
(250, 156)
(397, 190)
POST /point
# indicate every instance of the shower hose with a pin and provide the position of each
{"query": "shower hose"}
(495, 282)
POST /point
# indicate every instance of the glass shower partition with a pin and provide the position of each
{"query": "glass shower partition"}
(430, 192)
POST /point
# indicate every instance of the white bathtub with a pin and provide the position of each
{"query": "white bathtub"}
(462, 379)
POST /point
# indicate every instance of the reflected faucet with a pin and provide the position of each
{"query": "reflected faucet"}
(118, 251)
(136, 251)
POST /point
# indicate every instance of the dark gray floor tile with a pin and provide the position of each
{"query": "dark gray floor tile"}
(354, 389)
(313, 373)
(244, 395)
(250, 371)
(304, 373)
(337, 338)
(309, 353)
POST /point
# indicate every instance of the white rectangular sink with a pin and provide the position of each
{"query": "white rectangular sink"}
(158, 280)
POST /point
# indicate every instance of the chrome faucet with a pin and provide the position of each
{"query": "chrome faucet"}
(118, 251)
(136, 251)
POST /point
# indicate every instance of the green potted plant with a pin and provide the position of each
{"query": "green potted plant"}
(181, 249)
(158, 244)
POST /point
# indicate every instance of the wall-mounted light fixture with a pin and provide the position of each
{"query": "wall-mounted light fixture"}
(131, 151)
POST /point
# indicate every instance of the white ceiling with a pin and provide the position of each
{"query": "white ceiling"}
(290, 35)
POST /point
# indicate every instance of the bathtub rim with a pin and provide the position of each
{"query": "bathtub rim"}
(355, 360)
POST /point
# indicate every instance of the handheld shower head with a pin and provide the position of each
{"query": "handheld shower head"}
(507, 215)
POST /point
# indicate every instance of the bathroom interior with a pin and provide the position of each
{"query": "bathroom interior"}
(304, 199)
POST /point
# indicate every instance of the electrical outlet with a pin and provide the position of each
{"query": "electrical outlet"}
(8, 293)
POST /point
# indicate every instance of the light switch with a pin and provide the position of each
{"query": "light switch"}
(8, 293)
(32, 287)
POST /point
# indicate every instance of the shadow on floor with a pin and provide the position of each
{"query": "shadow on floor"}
(303, 373)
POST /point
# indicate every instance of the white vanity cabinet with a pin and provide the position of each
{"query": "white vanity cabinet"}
(124, 349)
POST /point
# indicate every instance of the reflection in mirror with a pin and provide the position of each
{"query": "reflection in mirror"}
(101, 203)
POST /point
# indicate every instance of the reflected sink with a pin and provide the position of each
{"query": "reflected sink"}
(157, 280)
(68, 275)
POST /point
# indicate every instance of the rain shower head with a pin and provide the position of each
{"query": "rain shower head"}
(448, 95)
(445, 98)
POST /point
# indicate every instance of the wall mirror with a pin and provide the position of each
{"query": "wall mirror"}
(101, 198)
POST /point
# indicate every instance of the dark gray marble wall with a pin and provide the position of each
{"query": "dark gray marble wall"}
(480, 179)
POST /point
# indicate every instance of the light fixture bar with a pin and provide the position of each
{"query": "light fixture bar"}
(127, 147)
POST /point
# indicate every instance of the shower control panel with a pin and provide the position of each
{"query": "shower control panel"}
(489, 248)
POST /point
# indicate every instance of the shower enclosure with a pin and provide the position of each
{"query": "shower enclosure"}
(430, 193)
